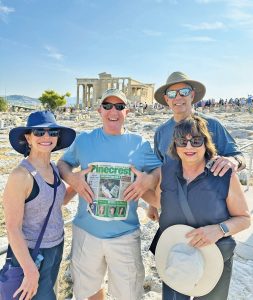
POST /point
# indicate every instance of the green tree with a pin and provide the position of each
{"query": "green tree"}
(51, 100)
(3, 104)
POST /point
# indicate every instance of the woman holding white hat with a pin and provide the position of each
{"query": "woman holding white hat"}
(33, 194)
(199, 214)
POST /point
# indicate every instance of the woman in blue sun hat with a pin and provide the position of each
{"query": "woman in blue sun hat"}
(28, 195)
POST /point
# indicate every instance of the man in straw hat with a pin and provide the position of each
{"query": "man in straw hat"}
(114, 244)
(179, 93)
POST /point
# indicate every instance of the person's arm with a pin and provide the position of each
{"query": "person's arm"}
(229, 155)
(76, 180)
(153, 213)
(18, 188)
(70, 193)
(240, 218)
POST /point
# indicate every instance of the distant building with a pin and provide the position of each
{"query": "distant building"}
(89, 90)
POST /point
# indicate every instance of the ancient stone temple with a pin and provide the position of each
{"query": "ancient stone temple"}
(89, 90)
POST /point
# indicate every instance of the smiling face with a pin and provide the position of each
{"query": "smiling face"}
(113, 120)
(181, 105)
(191, 154)
(41, 144)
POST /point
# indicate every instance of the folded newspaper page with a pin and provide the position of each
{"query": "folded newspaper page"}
(108, 182)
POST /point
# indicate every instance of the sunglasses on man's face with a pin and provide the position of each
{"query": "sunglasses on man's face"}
(118, 106)
(41, 132)
(182, 92)
(196, 141)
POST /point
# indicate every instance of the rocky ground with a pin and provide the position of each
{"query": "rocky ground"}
(239, 124)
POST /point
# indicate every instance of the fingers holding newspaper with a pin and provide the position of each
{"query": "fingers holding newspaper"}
(80, 185)
(141, 184)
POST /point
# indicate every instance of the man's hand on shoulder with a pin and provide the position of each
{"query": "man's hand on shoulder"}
(223, 164)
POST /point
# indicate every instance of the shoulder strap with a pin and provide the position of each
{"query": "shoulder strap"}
(185, 205)
(35, 251)
(37, 246)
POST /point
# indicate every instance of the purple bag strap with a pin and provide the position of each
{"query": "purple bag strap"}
(35, 251)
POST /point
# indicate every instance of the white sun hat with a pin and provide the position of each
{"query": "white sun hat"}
(187, 270)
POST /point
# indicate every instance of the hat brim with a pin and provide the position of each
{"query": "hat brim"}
(213, 261)
(17, 140)
(199, 88)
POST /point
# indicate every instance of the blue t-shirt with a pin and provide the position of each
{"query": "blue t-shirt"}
(97, 146)
(223, 141)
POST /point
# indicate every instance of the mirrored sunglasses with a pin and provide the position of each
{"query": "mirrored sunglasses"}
(182, 92)
(196, 141)
(41, 132)
(118, 106)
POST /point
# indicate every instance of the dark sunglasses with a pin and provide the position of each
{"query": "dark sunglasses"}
(182, 92)
(118, 106)
(41, 132)
(195, 141)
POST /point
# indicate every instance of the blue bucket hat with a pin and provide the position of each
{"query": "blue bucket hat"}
(40, 119)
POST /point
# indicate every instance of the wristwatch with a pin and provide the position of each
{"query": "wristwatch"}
(239, 161)
(224, 229)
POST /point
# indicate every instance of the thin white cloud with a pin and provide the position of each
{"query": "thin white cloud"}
(149, 32)
(60, 68)
(53, 52)
(241, 13)
(240, 3)
(205, 26)
(207, 1)
(202, 39)
(5, 11)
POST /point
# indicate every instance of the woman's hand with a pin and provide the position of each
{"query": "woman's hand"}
(29, 284)
(204, 236)
(152, 213)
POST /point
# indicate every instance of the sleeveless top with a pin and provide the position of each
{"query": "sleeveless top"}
(206, 197)
(35, 211)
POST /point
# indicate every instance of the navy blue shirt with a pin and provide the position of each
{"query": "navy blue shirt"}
(206, 196)
(223, 141)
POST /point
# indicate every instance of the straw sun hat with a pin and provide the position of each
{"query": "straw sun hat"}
(188, 270)
(179, 77)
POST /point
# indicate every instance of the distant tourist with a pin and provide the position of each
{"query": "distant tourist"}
(28, 195)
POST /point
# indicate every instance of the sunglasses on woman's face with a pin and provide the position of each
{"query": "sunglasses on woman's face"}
(182, 92)
(41, 132)
(109, 106)
(196, 141)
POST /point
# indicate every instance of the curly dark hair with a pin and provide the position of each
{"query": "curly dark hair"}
(195, 126)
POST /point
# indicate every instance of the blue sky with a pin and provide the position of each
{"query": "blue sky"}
(47, 44)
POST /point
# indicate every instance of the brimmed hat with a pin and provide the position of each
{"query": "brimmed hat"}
(116, 93)
(187, 270)
(178, 77)
(40, 119)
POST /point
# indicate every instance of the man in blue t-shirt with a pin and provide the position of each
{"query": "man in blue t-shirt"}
(179, 93)
(101, 244)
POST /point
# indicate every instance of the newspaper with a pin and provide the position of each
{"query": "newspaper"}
(108, 182)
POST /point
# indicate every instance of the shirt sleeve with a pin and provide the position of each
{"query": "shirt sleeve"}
(71, 155)
(224, 142)
(151, 161)
(156, 148)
